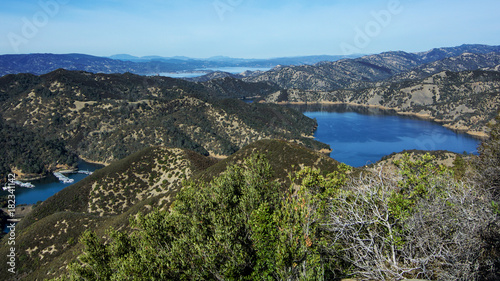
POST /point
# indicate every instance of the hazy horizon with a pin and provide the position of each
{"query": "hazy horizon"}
(249, 58)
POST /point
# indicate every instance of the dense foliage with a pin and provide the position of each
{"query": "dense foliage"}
(488, 164)
(421, 223)
(239, 226)
(105, 118)
(30, 152)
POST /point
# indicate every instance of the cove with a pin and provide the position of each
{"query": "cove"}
(360, 136)
(46, 187)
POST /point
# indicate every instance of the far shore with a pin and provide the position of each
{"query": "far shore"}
(93, 162)
(64, 170)
(475, 134)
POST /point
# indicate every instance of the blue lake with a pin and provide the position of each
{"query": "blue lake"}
(201, 72)
(46, 187)
(237, 69)
(360, 136)
(357, 136)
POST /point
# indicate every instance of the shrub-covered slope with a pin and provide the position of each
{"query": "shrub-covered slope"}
(104, 118)
(465, 101)
(108, 197)
(420, 222)
(150, 178)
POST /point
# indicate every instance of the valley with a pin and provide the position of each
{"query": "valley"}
(235, 189)
(103, 118)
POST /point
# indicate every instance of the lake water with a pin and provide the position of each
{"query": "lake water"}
(236, 69)
(201, 72)
(360, 136)
(357, 135)
(46, 187)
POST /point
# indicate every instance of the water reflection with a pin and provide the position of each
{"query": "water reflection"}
(362, 135)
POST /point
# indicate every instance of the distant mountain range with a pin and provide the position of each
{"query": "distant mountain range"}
(44, 63)
(399, 62)
(298, 60)
(397, 66)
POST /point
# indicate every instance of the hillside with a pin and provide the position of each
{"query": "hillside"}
(284, 157)
(31, 154)
(48, 236)
(321, 220)
(229, 87)
(463, 101)
(150, 178)
(463, 62)
(103, 118)
(349, 73)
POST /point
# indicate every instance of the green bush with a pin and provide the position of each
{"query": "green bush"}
(243, 225)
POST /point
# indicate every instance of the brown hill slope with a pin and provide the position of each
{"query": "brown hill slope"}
(465, 101)
(103, 117)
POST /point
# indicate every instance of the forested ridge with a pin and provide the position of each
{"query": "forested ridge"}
(104, 118)
(425, 221)
(167, 207)
(272, 211)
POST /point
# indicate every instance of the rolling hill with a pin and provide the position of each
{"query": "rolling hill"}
(47, 237)
(106, 117)
(356, 73)
(463, 101)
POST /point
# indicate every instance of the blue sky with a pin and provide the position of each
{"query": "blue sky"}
(243, 28)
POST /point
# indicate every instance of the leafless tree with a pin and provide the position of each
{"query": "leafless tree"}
(439, 240)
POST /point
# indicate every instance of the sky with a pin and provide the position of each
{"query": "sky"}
(243, 28)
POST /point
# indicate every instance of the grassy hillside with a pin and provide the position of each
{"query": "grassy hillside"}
(397, 66)
(284, 157)
(104, 118)
(244, 225)
(151, 180)
(47, 236)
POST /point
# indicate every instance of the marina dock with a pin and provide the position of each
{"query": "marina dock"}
(21, 184)
(62, 178)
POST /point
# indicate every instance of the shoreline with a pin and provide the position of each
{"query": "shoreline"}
(93, 162)
(217, 156)
(427, 117)
(62, 169)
